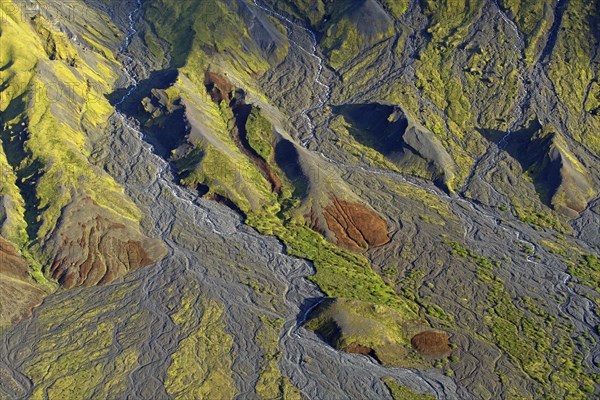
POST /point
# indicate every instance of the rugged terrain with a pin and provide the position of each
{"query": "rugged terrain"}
(294, 199)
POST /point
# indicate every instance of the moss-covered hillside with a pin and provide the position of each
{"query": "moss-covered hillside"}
(411, 181)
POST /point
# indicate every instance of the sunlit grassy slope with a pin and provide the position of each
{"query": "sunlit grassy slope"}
(451, 96)
(54, 108)
(207, 38)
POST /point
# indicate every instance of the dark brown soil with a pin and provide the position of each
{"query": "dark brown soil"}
(11, 263)
(355, 226)
(93, 249)
(218, 87)
(432, 343)
(356, 348)
(15, 279)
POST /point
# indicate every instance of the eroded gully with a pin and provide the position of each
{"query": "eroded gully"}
(207, 244)
(314, 367)
(467, 210)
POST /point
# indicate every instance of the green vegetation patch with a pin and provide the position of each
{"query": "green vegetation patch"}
(52, 104)
(201, 367)
(587, 270)
(409, 288)
(571, 70)
(538, 343)
(347, 32)
(396, 7)
(340, 273)
(365, 328)
(401, 392)
(71, 359)
(207, 32)
(537, 216)
(271, 383)
(260, 134)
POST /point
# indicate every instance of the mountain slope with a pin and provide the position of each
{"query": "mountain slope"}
(416, 182)
(53, 110)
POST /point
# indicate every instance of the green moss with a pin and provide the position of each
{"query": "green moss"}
(535, 341)
(363, 71)
(533, 20)
(260, 134)
(344, 323)
(53, 98)
(401, 392)
(410, 285)
(571, 70)
(540, 346)
(396, 7)
(55, 43)
(201, 366)
(343, 44)
(450, 24)
(344, 37)
(360, 281)
(234, 178)
(587, 270)
(12, 214)
(69, 361)
(281, 51)
(271, 384)
(313, 10)
(539, 218)
(192, 28)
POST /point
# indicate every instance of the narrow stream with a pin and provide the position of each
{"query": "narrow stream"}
(574, 302)
(208, 246)
(330, 374)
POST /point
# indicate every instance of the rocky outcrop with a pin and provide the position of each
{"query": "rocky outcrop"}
(426, 146)
(356, 348)
(432, 344)
(218, 87)
(411, 147)
(90, 248)
(560, 178)
(362, 328)
(567, 182)
(15, 279)
(355, 226)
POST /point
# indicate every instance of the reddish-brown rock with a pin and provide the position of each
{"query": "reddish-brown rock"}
(356, 348)
(218, 87)
(355, 226)
(89, 248)
(18, 292)
(432, 343)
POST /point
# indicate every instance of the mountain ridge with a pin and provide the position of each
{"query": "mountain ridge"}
(249, 108)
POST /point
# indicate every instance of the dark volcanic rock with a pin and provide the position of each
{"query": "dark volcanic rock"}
(388, 130)
(560, 179)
